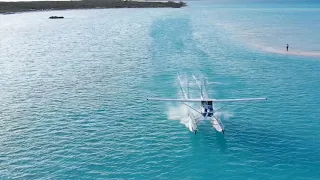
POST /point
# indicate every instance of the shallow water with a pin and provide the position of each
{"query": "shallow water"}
(72, 99)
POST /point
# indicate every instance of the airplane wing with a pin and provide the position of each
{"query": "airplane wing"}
(238, 100)
(174, 100)
(213, 100)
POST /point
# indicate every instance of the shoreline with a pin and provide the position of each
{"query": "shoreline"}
(295, 53)
(33, 6)
(290, 52)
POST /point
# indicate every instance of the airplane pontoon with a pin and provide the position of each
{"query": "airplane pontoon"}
(207, 111)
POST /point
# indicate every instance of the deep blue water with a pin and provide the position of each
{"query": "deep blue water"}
(73, 93)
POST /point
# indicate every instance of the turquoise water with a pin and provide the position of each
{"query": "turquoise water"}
(72, 99)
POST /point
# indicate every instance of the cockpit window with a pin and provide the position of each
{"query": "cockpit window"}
(207, 108)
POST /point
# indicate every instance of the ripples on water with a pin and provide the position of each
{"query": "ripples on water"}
(72, 99)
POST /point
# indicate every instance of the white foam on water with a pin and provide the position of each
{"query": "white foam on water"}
(224, 114)
(177, 112)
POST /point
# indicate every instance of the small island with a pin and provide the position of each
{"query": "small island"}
(25, 6)
(56, 17)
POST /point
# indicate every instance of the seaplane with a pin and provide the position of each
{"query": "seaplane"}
(207, 110)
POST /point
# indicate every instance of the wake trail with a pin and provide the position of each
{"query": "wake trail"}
(189, 88)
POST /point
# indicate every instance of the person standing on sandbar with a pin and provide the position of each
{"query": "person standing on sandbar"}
(287, 47)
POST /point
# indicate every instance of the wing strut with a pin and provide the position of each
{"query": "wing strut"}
(191, 107)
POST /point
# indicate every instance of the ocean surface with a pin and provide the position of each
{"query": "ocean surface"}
(73, 92)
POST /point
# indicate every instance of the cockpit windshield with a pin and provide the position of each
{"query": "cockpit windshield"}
(207, 108)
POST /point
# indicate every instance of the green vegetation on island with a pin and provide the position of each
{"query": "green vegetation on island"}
(24, 6)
